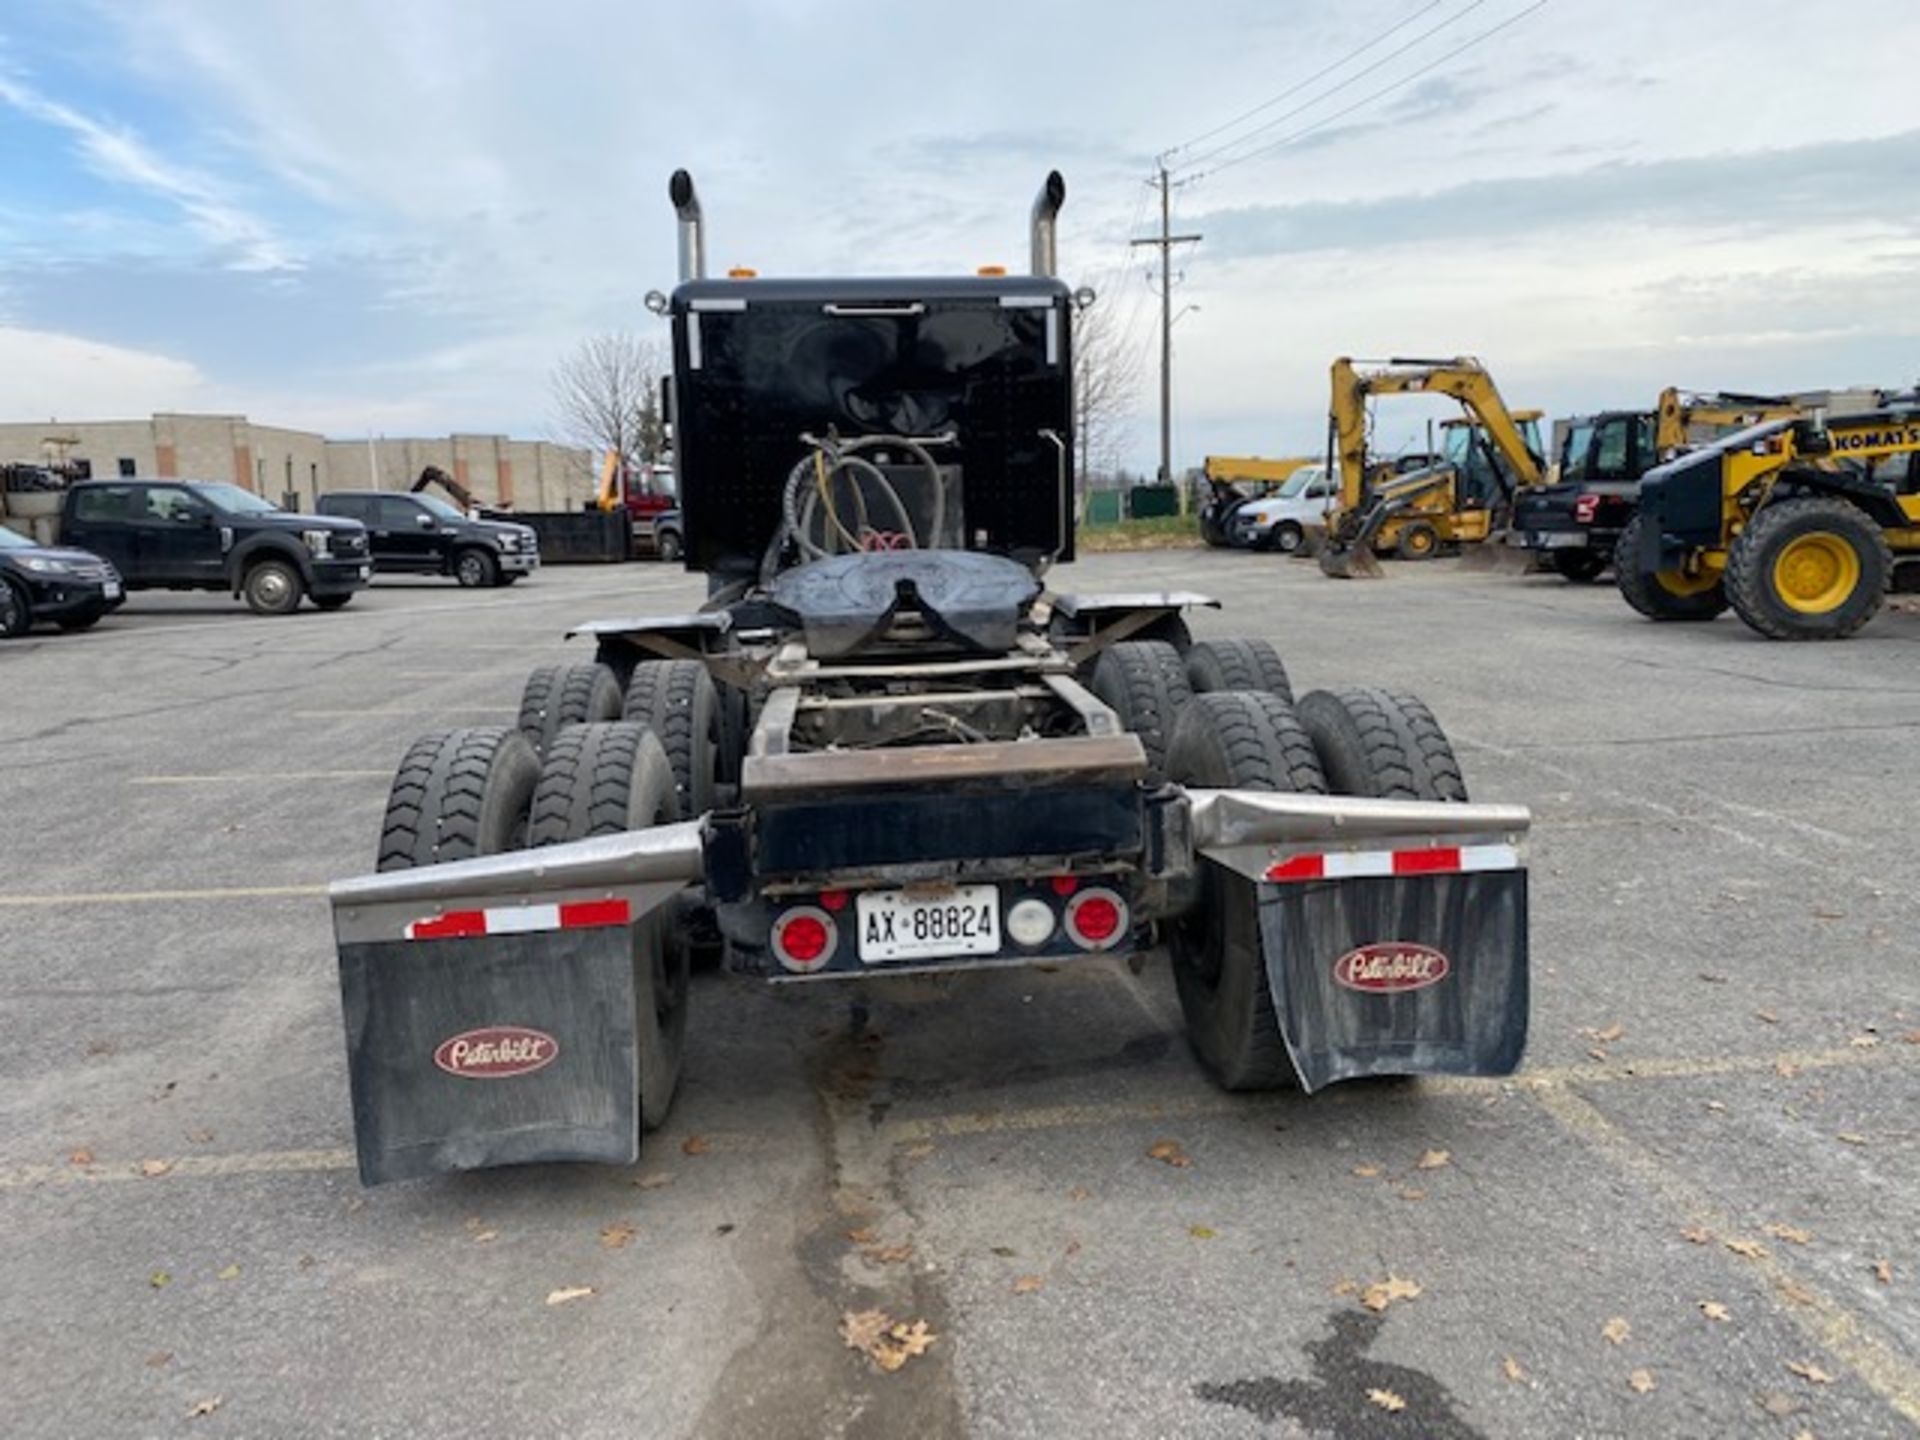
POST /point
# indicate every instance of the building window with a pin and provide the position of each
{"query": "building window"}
(83, 469)
(127, 468)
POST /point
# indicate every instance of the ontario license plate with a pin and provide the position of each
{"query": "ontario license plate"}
(903, 925)
(110, 590)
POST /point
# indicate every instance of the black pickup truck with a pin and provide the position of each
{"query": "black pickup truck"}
(207, 535)
(424, 535)
(1577, 521)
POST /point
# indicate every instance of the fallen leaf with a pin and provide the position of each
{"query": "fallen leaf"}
(863, 1236)
(1747, 1249)
(158, 1358)
(1711, 978)
(200, 1137)
(1387, 1401)
(1367, 1172)
(1792, 1234)
(1912, 1037)
(618, 1235)
(1778, 1403)
(725, 1229)
(1005, 1252)
(205, 1407)
(1714, 1310)
(1596, 1054)
(1609, 1035)
(1697, 1235)
(1027, 1284)
(155, 1168)
(1766, 1017)
(1347, 1287)
(1883, 1271)
(889, 1343)
(1642, 1381)
(652, 1182)
(1716, 1105)
(1382, 1293)
(1793, 1291)
(694, 1145)
(1824, 914)
(1785, 1069)
(82, 1156)
(1864, 1042)
(1616, 1330)
(1408, 1192)
(485, 1237)
(568, 1292)
(1073, 1248)
(1202, 1232)
(1810, 1372)
(232, 1272)
(159, 1279)
(1849, 1137)
(1079, 1192)
(1510, 1367)
(1168, 1152)
(889, 1254)
(1433, 1160)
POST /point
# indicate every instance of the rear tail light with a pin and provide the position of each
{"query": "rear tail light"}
(1097, 919)
(804, 939)
(1030, 922)
(1585, 508)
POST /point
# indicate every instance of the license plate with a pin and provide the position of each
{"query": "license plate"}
(110, 590)
(366, 572)
(901, 925)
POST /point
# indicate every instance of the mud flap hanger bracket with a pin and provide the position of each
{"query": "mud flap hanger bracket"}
(1257, 833)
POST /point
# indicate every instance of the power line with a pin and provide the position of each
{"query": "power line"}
(1335, 89)
(1296, 89)
(1366, 100)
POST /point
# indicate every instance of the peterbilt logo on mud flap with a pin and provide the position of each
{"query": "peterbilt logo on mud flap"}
(496, 1052)
(1392, 966)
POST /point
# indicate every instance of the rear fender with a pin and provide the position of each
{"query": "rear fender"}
(1394, 933)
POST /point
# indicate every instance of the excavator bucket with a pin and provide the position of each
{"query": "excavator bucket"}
(1350, 562)
(1496, 555)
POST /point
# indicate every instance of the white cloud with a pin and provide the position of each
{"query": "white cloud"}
(50, 375)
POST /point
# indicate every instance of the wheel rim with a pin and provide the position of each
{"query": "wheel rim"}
(1684, 586)
(1815, 574)
(1420, 541)
(271, 586)
(1288, 539)
(470, 569)
(9, 608)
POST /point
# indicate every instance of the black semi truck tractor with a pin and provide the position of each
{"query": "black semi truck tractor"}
(887, 743)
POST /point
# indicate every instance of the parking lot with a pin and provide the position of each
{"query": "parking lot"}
(1694, 1212)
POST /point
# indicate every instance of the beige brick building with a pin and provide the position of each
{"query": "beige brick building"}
(277, 463)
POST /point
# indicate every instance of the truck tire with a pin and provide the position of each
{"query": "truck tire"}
(603, 779)
(1145, 684)
(1237, 665)
(677, 700)
(667, 546)
(458, 794)
(474, 568)
(16, 610)
(1581, 567)
(560, 695)
(1667, 594)
(1418, 541)
(333, 602)
(1383, 744)
(1809, 568)
(1254, 741)
(272, 587)
(73, 624)
(1288, 537)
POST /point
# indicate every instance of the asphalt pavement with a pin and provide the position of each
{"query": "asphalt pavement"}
(1696, 1211)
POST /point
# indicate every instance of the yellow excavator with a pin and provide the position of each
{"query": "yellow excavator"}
(1490, 454)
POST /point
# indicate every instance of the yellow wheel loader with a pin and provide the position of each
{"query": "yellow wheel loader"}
(1798, 524)
(1490, 453)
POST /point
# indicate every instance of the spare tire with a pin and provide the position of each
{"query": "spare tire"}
(1381, 743)
(1237, 665)
(1241, 740)
(458, 794)
(556, 696)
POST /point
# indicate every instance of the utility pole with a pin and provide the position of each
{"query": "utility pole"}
(1166, 241)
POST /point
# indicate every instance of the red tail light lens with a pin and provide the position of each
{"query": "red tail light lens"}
(1585, 508)
(1096, 919)
(803, 938)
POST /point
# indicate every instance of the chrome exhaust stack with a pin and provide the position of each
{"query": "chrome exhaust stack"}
(1046, 210)
(693, 240)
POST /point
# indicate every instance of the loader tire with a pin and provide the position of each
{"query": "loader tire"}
(560, 695)
(1243, 740)
(1145, 684)
(1237, 665)
(1664, 594)
(1809, 568)
(458, 794)
(1383, 744)
(603, 779)
(677, 700)
(1418, 541)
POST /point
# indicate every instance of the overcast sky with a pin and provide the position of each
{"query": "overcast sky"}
(394, 215)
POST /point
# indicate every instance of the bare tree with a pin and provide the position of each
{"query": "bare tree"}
(606, 396)
(1107, 372)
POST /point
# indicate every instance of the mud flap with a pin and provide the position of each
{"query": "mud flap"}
(1416, 975)
(486, 1050)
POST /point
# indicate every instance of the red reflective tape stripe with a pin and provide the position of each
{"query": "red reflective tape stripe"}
(586, 914)
(455, 924)
(1300, 867)
(1426, 862)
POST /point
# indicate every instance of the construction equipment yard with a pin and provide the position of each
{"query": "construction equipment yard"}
(1693, 1211)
